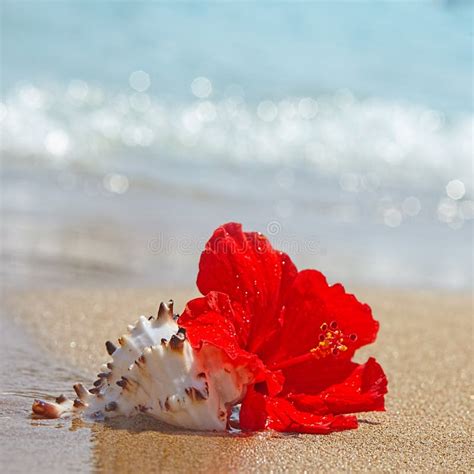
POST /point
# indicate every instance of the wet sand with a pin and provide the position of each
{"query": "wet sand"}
(54, 338)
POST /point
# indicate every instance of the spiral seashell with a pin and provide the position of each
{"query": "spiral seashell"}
(155, 371)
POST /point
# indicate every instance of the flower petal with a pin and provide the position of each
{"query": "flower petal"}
(261, 411)
(315, 376)
(253, 414)
(215, 319)
(245, 266)
(363, 390)
(310, 303)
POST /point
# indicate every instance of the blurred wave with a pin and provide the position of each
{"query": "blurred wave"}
(84, 126)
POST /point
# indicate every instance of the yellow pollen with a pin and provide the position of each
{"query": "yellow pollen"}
(331, 341)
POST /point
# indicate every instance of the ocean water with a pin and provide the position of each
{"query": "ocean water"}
(343, 126)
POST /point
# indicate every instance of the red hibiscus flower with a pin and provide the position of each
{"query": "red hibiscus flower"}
(294, 332)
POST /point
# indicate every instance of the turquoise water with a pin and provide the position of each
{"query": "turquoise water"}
(337, 118)
(418, 52)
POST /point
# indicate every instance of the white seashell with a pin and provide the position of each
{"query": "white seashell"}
(156, 371)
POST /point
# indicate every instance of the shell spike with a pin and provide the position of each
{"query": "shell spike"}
(111, 347)
(177, 342)
(81, 391)
(165, 310)
(61, 399)
(142, 324)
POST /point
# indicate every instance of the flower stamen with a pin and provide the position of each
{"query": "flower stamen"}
(332, 341)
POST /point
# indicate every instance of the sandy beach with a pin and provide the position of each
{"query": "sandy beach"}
(342, 131)
(54, 338)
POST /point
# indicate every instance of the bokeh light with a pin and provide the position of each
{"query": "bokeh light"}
(139, 80)
(392, 217)
(78, 90)
(201, 87)
(57, 143)
(32, 97)
(267, 111)
(455, 189)
(116, 183)
(447, 210)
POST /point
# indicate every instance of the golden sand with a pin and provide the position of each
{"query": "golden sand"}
(425, 346)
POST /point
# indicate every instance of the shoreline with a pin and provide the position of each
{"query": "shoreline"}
(424, 345)
(83, 237)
